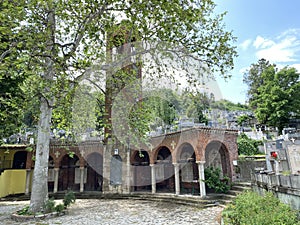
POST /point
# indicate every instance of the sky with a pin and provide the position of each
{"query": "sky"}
(267, 29)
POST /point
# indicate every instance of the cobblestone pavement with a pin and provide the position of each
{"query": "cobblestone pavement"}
(115, 212)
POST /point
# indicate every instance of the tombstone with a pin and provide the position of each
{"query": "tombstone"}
(116, 170)
(293, 152)
(271, 162)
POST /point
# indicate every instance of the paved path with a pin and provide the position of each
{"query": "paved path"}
(115, 212)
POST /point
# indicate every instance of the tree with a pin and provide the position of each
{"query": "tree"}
(199, 102)
(243, 120)
(253, 77)
(248, 146)
(276, 99)
(12, 70)
(64, 38)
(165, 107)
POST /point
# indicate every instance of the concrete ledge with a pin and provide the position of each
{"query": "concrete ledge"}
(23, 218)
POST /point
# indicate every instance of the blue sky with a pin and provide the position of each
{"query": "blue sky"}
(267, 29)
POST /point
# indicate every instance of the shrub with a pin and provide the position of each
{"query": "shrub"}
(248, 146)
(213, 181)
(50, 205)
(59, 208)
(69, 199)
(24, 211)
(252, 209)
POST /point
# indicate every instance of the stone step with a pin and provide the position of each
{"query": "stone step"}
(212, 199)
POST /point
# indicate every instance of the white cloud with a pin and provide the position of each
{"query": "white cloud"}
(283, 49)
(297, 66)
(245, 44)
(261, 42)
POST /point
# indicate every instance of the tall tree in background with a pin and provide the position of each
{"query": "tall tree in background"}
(12, 70)
(199, 103)
(64, 37)
(253, 78)
(276, 96)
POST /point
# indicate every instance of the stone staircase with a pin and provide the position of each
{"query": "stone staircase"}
(224, 199)
(212, 199)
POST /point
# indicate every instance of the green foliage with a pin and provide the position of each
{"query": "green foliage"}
(273, 94)
(59, 208)
(243, 120)
(228, 105)
(24, 211)
(197, 103)
(12, 69)
(213, 180)
(164, 106)
(49, 206)
(69, 198)
(55, 43)
(248, 146)
(249, 208)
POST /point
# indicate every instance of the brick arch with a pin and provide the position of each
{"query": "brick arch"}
(92, 160)
(94, 171)
(134, 155)
(184, 147)
(141, 171)
(199, 139)
(156, 153)
(216, 146)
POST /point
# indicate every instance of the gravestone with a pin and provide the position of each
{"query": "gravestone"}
(116, 170)
(293, 152)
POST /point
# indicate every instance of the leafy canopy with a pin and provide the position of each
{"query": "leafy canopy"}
(273, 94)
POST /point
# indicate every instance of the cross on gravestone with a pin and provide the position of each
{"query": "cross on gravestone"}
(173, 144)
(57, 154)
(82, 152)
(293, 140)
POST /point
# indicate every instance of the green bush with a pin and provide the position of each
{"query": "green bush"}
(213, 181)
(249, 208)
(69, 199)
(59, 208)
(24, 211)
(50, 205)
(248, 146)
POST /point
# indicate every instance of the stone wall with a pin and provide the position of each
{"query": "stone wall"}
(247, 165)
(286, 188)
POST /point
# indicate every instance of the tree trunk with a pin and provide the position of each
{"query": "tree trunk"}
(39, 192)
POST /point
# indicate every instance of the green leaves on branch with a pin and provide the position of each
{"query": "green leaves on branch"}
(248, 146)
(273, 94)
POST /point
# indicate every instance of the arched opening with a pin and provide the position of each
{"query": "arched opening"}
(94, 163)
(164, 171)
(189, 175)
(20, 158)
(216, 156)
(69, 174)
(51, 175)
(141, 171)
